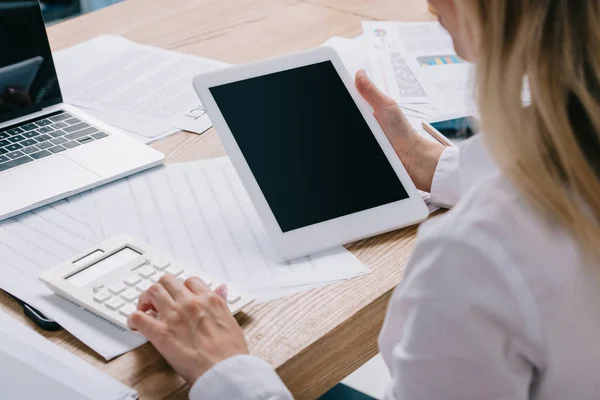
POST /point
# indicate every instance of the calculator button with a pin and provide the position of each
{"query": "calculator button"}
(184, 276)
(161, 265)
(174, 270)
(101, 297)
(157, 277)
(232, 295)
(97, 288)
(147, 272)
(206, 280)
(132, 280)
(115, 303)
(130, 295)
(145, 285)
(117, 288)
(127, 310)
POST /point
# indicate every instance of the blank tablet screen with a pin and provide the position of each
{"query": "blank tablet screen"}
(308, 146)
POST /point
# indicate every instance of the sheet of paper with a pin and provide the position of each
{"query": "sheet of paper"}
(113, 74)
(199, 212)
(41, 239)
(394, 73)
(426, 49)
(142, 131)
(32, 367)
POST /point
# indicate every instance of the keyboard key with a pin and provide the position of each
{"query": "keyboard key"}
(56, 149)
(130, 295)
(60, 117)
(70, 145)
(72, 121)
(143, 286)
(4, 159)
(43, 122)
(161, 265)
(174, 270)
(28, 142)
(4, 142)
(4, 135)
(45, 129)
(157, 277)
(15, 163)
(85, 140)
(117, 288)
(58, 140)
(57, 133)
(31, 134)
(82, 133)
(43, 138)
(99, 135)
(132, 280)
(29, 127)
(59, 125)
(3, 151)
(15, 154)
(14, 131)
(30, 149)
(17, 138)
(13, 147)
(127, 310)
(115, 303)
(146, 272)
(41, 154)
(101, 297)
(76, 127)
(45, 145)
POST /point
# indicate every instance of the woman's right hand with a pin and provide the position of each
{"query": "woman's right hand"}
(419, 155)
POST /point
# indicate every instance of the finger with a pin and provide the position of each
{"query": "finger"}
(222, 291)
(156, 298)
(145, 324)
(371, 93)
(196, 285)
(175, 288)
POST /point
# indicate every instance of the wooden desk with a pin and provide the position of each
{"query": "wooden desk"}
(313, 339)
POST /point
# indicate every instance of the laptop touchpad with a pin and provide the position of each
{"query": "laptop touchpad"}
(41, 180)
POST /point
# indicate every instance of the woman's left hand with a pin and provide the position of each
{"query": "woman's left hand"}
(189, 324)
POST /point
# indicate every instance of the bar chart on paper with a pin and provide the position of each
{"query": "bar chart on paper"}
(425, 61)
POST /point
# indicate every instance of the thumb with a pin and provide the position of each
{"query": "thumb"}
(371, 93)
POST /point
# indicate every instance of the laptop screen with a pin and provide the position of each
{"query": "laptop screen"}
(28, 79)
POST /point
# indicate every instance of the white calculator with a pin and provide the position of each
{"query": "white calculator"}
(108, 279)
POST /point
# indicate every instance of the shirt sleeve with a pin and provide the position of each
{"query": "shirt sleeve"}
(454, 329)
(445, 187)
(240, 377)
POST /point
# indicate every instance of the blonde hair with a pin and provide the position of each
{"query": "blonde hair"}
(550, 150)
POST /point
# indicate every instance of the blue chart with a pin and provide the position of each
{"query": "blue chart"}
(439, 60)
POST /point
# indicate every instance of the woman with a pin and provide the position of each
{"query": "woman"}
(501, 297)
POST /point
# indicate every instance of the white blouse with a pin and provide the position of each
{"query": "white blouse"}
(496, 304)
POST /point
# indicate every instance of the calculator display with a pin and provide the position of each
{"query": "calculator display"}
(102, 267)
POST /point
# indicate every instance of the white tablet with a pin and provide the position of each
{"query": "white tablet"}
(316, 164)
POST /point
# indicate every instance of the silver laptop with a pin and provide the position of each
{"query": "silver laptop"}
(48, 149)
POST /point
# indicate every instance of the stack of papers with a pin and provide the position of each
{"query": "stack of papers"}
(145, 91)
(32, 367)
(198, 212)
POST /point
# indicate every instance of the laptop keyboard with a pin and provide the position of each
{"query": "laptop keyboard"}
(41, 138)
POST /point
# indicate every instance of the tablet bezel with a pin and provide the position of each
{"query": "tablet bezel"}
(334, 232)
